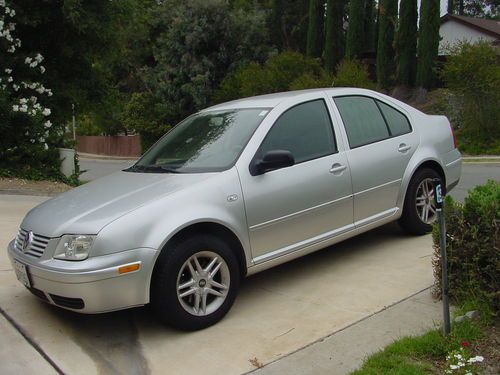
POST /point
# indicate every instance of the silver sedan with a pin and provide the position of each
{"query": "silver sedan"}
(233, 190)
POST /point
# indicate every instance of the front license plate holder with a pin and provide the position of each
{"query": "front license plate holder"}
(22, 273)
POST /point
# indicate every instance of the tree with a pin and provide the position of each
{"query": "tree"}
(335, 40)
(406, 43)
(428, 42)
(369, 26)
(288, 24)
(196, 44)
(475, 8)
(315, 28)
(355, 32)
(385, 50)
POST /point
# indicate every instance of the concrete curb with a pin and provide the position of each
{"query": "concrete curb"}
(35, 193)
(345, 350)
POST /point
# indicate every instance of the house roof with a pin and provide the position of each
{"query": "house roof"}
(490, 27)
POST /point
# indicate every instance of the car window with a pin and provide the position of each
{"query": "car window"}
(398, 123)
(362, 119)
(305, 130)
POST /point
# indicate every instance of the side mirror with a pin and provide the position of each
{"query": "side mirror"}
(274, 159)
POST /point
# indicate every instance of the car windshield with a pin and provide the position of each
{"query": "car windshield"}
(204, 142)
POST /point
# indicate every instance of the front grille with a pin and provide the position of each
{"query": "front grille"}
(36, 247)
(72, 303)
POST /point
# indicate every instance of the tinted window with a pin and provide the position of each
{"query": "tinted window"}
(362, 119)
(305, 130)
(398, 123)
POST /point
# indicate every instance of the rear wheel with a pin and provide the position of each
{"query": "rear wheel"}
(195, 282)
(419, 211)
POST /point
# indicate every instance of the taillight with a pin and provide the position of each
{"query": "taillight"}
(454, 136)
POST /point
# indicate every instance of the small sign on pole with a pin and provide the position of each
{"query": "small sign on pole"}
(439, 201)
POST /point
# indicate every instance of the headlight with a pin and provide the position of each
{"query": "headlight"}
(74, 247)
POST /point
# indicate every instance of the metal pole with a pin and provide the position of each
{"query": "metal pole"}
(444, 261)
(74, 121)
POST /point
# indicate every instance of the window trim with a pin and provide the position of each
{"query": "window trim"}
(335, 143)
(376, 100)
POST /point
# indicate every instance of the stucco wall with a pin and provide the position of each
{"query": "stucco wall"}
(453, 32)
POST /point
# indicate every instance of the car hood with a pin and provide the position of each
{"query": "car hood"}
(90, 207)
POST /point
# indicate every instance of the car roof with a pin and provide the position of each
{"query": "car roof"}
(272, 100)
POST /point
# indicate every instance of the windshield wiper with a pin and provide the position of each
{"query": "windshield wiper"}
(153, 168)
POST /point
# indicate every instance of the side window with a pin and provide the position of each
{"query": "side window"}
(305, 130)
(398, 123)
(362, 119)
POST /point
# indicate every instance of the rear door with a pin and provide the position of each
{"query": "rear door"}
(381, 143)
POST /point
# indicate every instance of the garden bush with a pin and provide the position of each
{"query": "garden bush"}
(353, 73)
(282, 72)
(472, 74)
(472, 245)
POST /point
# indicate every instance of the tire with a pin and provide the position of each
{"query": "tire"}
(414, 219)
(195, 282)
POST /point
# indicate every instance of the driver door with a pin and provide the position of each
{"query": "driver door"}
(291, 207)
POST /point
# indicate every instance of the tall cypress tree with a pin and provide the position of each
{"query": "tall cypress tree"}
(315, 29)
(406, 43)
(276, 23)
(385, 50)
(334, 41)
(369, 26)
(355, 33)
(428, 42)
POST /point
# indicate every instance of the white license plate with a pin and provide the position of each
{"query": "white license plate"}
(22, 273)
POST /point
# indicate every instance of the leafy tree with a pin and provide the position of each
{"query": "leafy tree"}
(335, 39)
(282, 72)
(78, 38)
(475, 8)
(355, 29)
(385, 50)
(406, 43)
(315, 28)
(196, 43)
(428, 42)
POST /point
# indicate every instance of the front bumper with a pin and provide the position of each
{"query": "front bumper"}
(93, 285)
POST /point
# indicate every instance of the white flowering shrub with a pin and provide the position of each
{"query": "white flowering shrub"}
(27, 133)
(460, 362)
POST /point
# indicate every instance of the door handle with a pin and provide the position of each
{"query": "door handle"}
(403, 147)
(337, 168)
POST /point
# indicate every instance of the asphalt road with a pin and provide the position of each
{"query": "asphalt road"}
(472, 174)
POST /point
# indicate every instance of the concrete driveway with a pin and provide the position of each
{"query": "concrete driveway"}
(277, 312)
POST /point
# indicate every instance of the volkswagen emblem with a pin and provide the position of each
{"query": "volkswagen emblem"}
(28, 239)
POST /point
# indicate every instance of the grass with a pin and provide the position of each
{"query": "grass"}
(426, 354)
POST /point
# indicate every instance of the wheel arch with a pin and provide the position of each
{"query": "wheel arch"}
(212, 228)
(430, 164)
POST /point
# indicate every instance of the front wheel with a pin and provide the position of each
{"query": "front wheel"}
(419, 211)
(195, 282)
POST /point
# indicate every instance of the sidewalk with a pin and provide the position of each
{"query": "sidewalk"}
(344, 351)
